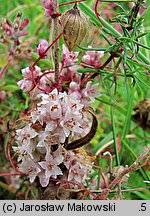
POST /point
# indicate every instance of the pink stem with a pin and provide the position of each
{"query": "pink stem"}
(40, 57)
(12, 174)
(96, 12)
(68, 3)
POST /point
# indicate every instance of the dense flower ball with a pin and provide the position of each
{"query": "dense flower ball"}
(57, 117)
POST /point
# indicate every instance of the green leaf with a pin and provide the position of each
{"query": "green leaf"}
(11, 88)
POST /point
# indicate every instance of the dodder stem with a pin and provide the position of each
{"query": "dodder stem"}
(56, 49)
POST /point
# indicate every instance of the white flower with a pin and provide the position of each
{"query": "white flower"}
(26, 140)
(79, 172)
(57, 155)
(75, 173)
(69, 158)
(24, 149)
(26, 133)
(71, 123)
(89, 93)
(43, 180)
(59, 134)
(25, 85)
(30, 168)
(26, 72)
(50, 167)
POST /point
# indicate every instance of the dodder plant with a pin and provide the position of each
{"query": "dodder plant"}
(60, 121)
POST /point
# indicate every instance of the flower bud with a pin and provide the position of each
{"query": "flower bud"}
(42, 47)
(75, 26)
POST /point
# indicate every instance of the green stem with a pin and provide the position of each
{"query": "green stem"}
(128, 116)
(114, 137)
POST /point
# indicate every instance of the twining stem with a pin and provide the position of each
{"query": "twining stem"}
(56, 39)
(105, 193)
(68, 3)
(56, 48)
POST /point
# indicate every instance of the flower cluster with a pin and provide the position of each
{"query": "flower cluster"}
(69, 66)
(56, 118)
(34, 82)
(92, 58)
(12, 34)
(48, 6)
(15, 29)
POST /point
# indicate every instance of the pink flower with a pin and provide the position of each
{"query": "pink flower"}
(49, 109)
(92, 58)
(57, 155)
(24, 24)
(69, 58)
(79, 172)
(43, 180)
(42, 47)
(70, 74)
(69, 68)
(33, 80)
(26, 133)
(75, 90)
(59, 134)
(48, 5)
(27, 83)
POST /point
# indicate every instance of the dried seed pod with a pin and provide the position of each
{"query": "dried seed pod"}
(116, 171)
(142, 114)
(75, 26)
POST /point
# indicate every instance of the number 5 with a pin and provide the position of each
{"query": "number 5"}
(143, 207)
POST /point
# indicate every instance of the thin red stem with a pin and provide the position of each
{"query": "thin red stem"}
(40, 57)
(96, 12)
(85, 79)
(76, 184)
(68, 3)
(106, 192)
(12, 174)
(9, 154)
(10, 159)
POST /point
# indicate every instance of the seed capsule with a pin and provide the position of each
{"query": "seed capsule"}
(75, 26)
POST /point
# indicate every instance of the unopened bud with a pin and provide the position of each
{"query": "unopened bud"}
(42, 47)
